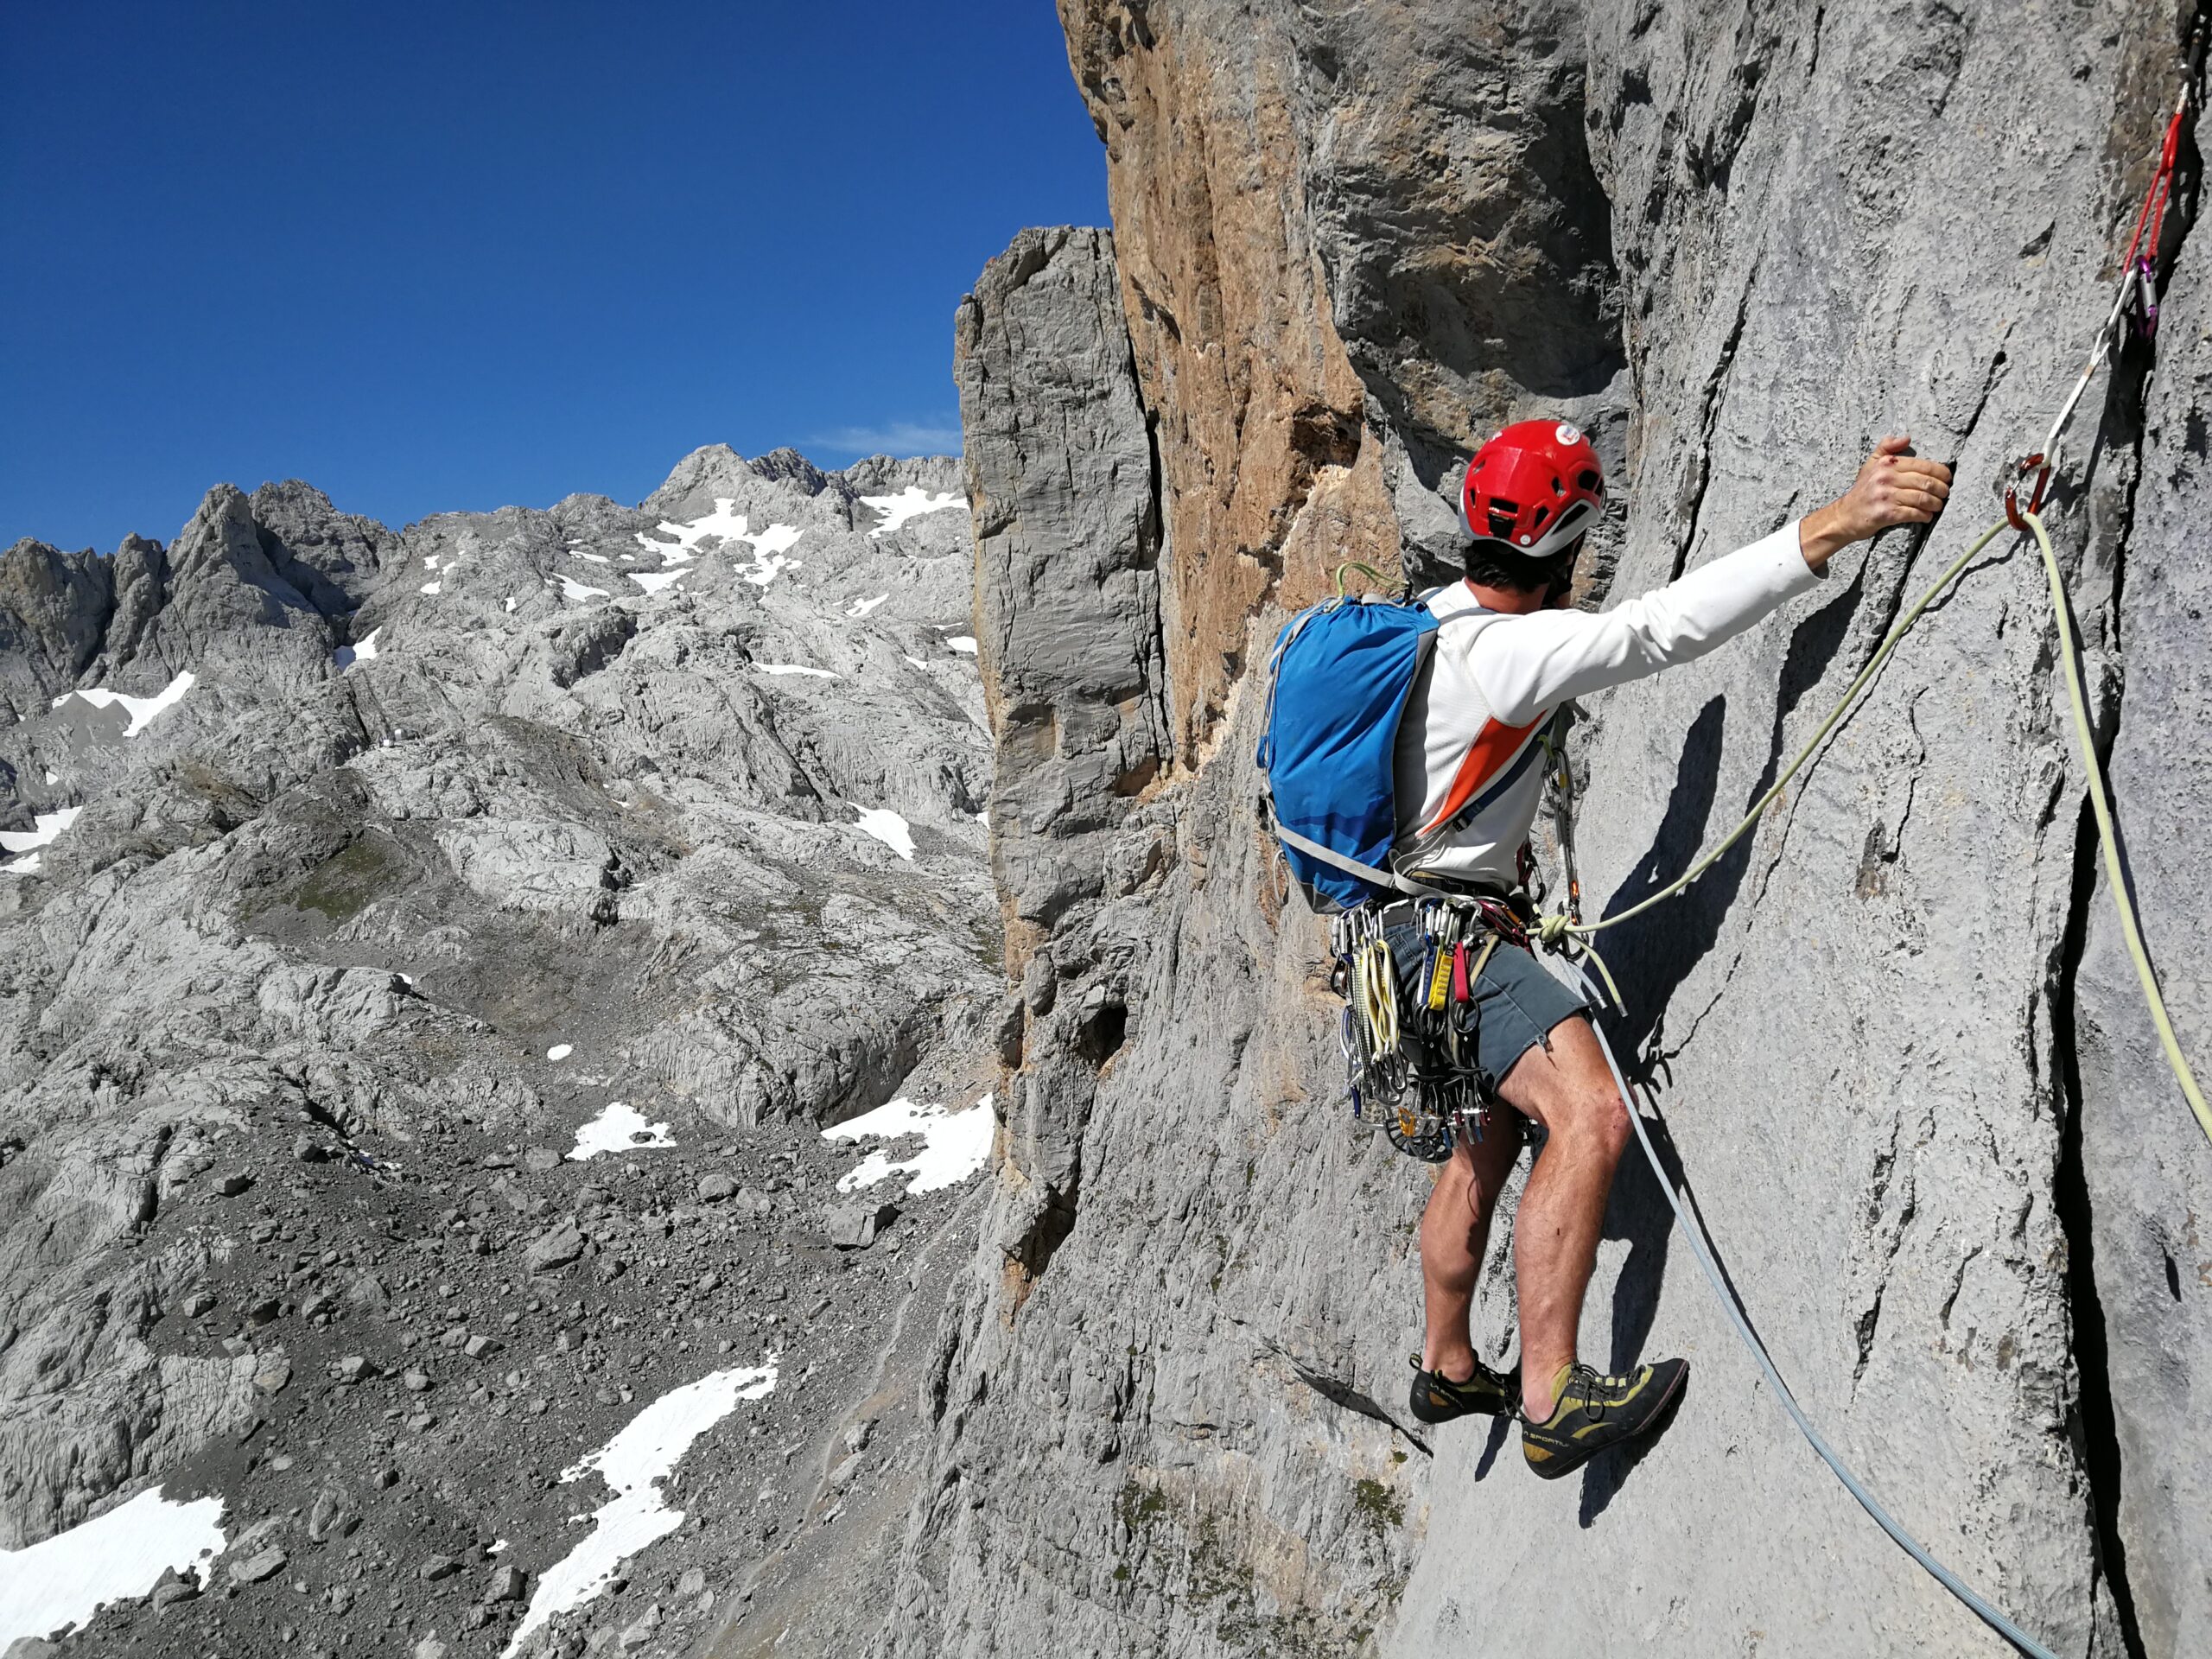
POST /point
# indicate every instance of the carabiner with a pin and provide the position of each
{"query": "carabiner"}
(2028, 467)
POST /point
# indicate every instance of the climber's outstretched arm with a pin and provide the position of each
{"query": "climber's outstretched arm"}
(1546, 656)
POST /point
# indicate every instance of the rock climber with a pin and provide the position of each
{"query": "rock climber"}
(1509, 651)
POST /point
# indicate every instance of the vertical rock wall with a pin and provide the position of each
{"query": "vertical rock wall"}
(1889, 1041)
(2143, 1271)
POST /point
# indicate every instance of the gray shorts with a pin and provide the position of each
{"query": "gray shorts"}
(1516, 1002)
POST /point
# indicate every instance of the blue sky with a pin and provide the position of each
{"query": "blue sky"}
(438, 256)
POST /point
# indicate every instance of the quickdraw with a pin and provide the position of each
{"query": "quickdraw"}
(2137, 300)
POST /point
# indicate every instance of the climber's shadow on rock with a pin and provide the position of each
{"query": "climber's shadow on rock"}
(1651, 955)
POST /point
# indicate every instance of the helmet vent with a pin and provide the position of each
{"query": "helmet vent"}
(1503, 517)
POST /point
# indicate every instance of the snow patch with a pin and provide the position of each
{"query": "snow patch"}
(796, 668)
(619, 1126)
(861, 608)
(50, 824)
(888, 827)
(954, 1145)
(28, 841)
(430, 560)
(960, 643)
(143, 711)
(653, 581)
(51, 778)
(571, 588)
(365, 652)
(910, 503)
(769, 546)
(596, 558)
(65, 1579)
(431, 588)
(633, 1464)
(768, 550)
(560, 1051)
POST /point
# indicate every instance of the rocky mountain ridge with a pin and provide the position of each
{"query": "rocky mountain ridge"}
(429, 962)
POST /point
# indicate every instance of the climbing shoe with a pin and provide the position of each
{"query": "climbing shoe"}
(1595, 1412)
(1437, 1399)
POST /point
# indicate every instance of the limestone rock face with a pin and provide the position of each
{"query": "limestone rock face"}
(1890, 1042)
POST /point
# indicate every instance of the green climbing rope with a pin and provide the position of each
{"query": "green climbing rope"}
(1556, 928)
(2069, 653)
(1358, 564)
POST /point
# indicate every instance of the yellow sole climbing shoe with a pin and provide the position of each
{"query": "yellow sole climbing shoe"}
(1595, 1413)
(1437, 1399)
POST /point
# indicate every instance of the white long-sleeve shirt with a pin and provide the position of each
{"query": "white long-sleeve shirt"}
(1470, 780)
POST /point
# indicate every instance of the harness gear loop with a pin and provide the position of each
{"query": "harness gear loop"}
(1407, 1037)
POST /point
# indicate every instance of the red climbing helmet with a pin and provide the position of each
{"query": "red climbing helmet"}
(1536, 487)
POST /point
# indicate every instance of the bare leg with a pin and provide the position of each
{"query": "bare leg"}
(1454, 1234)
(1566, 1088)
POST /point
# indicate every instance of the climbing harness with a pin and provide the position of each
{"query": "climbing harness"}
(1408, 1041)
(1564, 931)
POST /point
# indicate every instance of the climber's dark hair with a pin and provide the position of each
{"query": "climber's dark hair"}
(1492, 564)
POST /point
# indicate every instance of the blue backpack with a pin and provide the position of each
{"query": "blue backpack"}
(1339, 677)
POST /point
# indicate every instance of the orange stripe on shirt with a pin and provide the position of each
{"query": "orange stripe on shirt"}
(1492, 750)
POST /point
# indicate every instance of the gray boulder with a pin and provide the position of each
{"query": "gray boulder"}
(263, 1564)
(556, 1249)
(856, 1225)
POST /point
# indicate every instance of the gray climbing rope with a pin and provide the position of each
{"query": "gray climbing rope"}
(1734, 1308)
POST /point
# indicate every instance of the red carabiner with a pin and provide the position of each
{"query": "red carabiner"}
(2034, 466)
